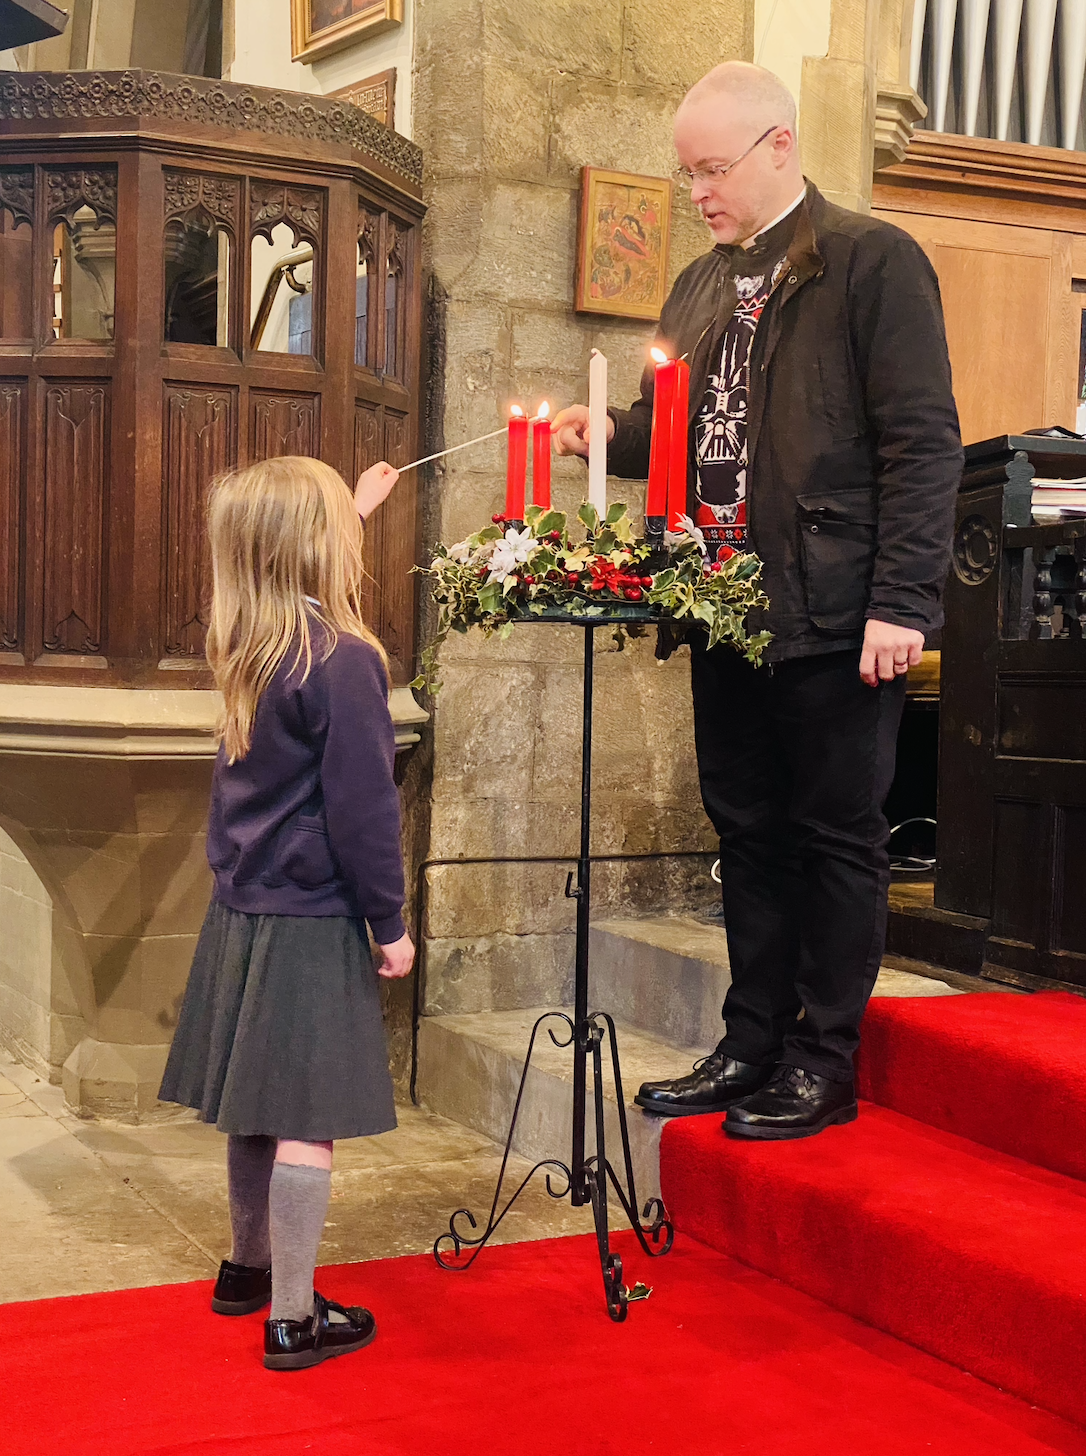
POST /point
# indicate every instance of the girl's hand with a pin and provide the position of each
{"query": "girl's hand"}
(399, 957)
(373, 486)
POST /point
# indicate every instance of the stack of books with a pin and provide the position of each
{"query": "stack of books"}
(1056, 500)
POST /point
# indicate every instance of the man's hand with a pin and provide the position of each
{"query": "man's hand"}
(569, 429)
(888, 652)
(398, 958)
(373, 485)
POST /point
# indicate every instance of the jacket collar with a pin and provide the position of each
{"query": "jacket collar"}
(803, 253)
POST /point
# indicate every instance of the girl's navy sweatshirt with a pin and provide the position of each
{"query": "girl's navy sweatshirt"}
(308, 822)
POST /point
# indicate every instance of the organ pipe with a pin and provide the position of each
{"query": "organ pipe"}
(944, 13)
(1072, 67)
(1008, 24)
(1040, 27)
(974, 37)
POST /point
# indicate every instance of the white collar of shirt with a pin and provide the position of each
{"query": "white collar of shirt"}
(779, 218)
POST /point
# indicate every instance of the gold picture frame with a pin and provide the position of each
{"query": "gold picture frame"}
(622, 244)
(320, 27)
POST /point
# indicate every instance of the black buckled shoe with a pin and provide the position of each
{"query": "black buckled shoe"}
(715, 1083)
(240, 1289)
(794, 1103)
(297, 1344)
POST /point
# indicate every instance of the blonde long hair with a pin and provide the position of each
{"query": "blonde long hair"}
(282, 530)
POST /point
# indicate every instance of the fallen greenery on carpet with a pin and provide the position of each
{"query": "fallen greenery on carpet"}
(502, 575)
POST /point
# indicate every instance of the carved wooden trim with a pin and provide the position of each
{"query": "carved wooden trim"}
(271, 203)
(67, 189)
(369, 226)
(62, 95)
(942, 162)
(375, 94)
(17, 192)
(199, 442)
(76, 480)
(283, 424)
(188, 195)
(398, 234)
(12, 406)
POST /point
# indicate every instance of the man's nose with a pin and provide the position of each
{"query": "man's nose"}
(699, 192)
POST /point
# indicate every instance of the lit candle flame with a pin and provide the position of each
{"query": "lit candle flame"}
(544, 411)
(515, 409)
(659, 356)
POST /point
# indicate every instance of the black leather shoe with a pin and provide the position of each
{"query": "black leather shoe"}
(793, 1104)
(715, 1083)
(240, 1290)
(297, 1344)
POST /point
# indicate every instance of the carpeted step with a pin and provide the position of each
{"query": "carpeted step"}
(1005, 1071)
(975, 1257)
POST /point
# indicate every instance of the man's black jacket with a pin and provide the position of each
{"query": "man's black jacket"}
(854, 453)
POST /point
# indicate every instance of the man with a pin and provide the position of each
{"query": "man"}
(823, 437)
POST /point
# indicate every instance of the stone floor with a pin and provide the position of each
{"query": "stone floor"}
(88, 1206)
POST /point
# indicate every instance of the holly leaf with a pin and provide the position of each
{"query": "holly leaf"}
(532, 514)
(552, 521)
(615, 512)
(589, 515)
(491, 533)
(490, 597)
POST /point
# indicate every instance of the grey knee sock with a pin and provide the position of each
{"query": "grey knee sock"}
(248, 1170)
(298, 1203)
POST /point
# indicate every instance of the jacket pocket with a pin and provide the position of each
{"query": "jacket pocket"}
(307, 859)
(838, 535)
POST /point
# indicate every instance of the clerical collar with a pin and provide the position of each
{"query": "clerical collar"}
(760, 242)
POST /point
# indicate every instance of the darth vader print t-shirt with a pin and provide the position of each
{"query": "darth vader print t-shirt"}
(720, 430)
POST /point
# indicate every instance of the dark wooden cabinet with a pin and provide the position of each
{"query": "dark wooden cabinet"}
(193, 274)
(1012, 771)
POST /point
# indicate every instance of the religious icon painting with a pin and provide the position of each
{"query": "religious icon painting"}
(319, 27)
(622, 247)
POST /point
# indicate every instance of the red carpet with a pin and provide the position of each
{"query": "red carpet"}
(1006, 1071)
(515, 1358)
(942, 1240)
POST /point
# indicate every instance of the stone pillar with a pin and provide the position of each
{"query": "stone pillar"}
(511, 102)
(838, 103)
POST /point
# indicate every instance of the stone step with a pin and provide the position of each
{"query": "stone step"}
(668, 975)
(470, 1068)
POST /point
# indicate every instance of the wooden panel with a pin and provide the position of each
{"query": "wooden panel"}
(1043, 719)
(283, 424)
(996, 306)
(199, 441)
(393, 557)
(12, 468)
(76, 485)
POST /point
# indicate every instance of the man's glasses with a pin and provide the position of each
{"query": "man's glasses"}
(708, 175)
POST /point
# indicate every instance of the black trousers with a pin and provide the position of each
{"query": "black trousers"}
(795, 762)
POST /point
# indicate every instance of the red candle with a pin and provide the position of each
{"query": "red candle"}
(517, 466)
(541, 458)
(663, 401)
(676, 475)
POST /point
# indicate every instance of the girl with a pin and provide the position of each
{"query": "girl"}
(280, 1040)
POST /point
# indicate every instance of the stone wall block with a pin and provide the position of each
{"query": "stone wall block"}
(837, 152)
(175, 883)
(480, 900)
(165, 961)
(601, 124)
(172, 797)
(484, 737)
(481, 827)
(556, 774)
(516, 121)
(98, 876)
(530, 642)
(498, 973)
(662, 48)
(447, 105)
(521, 246)
(583, 36)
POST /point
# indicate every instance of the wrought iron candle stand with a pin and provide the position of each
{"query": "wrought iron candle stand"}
(585, 1179)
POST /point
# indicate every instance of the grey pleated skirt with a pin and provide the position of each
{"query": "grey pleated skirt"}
(280, 1031)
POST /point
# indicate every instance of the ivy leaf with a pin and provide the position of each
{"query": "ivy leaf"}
(490, 597)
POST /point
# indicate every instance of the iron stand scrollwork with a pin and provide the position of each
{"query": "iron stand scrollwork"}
(585, 1179)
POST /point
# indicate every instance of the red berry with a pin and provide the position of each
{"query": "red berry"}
(573, 579)
(556, 535)
(717, 565)
(646, 581)
(481, 571)
(632, 593)
(528, 580)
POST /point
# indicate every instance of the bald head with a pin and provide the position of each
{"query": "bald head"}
(757, 93)
(743, 115)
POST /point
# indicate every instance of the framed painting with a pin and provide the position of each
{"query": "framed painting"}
(319, 27)
(622, 245)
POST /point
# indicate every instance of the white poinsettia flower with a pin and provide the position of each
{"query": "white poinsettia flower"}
(461, 552)
(688, 529)
(509, 553)
(521, 543)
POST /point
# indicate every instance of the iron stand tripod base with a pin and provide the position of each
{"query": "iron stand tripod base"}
(586, 1178)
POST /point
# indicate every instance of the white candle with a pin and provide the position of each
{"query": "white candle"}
(597, 431)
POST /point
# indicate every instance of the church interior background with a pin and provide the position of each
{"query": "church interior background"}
(222, 238)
